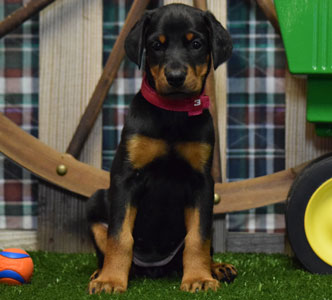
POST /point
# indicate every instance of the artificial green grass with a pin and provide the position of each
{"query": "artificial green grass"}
(261, 276)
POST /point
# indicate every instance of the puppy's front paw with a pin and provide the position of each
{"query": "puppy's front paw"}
(110, 286)
(194, 284)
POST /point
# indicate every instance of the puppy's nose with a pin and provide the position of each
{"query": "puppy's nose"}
(175, 77)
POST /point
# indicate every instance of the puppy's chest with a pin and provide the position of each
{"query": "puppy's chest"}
(143, 150)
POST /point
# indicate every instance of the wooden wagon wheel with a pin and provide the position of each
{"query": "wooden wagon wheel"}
(64, 170)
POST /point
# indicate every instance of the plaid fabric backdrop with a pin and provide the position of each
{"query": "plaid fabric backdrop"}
(19, 102)
(256, 107)
(126, 85)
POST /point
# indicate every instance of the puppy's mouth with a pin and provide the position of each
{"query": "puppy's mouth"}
(183, 91)
(178, 94)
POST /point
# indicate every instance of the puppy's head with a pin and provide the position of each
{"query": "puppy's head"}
(179, 41)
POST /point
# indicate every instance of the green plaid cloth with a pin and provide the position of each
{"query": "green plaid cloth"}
(256, 107)
(19, 102)
(256, 110)
(125, 86)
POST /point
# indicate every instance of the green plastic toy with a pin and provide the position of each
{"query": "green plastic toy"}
(306, 28)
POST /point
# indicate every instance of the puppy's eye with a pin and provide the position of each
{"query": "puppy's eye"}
(196, 44)
(156, 46)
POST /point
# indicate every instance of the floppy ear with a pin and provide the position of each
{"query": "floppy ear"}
(135, 40)
(220, 40)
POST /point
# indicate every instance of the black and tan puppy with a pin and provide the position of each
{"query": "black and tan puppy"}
(158, 209)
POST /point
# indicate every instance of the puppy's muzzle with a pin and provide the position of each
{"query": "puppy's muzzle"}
(175, 77)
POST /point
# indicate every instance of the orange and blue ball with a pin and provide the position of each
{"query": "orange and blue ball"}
(16, 266)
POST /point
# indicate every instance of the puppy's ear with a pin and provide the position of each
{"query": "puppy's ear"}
(135, 40)
(220, 40)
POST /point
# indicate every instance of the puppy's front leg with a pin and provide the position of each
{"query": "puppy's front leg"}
(196, 256)
(119, 249)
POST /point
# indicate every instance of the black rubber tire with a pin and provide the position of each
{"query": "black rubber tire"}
(306, 183)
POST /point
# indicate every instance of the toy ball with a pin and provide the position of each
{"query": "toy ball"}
(16, 266)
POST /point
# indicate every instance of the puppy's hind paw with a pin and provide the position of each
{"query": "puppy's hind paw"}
(223, 272)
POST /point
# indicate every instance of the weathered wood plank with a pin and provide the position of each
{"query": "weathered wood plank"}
(23, 239)
(302, 143)
(242, 242)
(219, 9)
(70, 66)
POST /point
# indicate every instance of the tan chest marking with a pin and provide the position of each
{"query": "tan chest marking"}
(195, 153)
(142, 150)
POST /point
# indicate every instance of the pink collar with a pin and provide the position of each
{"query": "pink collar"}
(194, 106)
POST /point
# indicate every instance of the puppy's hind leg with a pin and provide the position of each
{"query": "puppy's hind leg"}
(97, 215)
